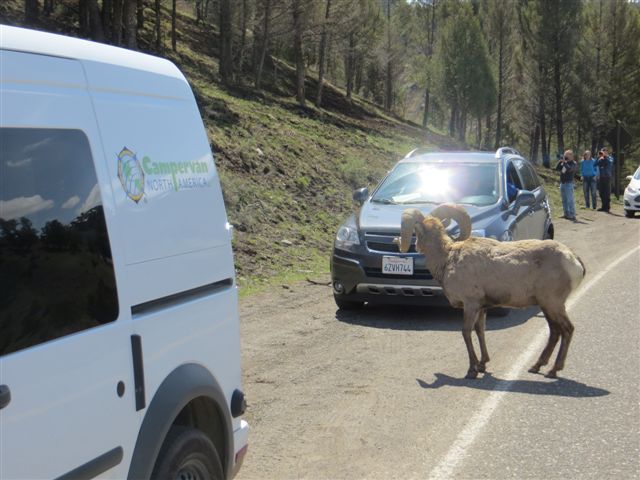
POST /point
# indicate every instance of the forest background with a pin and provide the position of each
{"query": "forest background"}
(305, 100)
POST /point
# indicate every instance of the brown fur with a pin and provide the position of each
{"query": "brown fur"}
(479, 273)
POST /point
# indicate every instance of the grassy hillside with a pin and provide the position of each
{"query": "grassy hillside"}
(287, 172)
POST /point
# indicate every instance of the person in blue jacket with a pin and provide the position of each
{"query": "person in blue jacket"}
(589, 173)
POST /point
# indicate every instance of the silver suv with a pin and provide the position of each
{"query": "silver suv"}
(501, 192)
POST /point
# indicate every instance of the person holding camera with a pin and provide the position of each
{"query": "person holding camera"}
(604, 184)
(567, 168)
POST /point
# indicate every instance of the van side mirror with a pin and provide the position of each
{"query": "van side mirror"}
(524, 198)
(361, 195)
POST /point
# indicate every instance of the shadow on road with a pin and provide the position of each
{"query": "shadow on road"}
(435, 318)
(561, 387)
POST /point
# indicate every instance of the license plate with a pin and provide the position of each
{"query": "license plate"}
(397, 266)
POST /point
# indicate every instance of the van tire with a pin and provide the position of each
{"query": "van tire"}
(188, 453)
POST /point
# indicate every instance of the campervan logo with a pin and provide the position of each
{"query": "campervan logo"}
(146, 177)
(131, 174)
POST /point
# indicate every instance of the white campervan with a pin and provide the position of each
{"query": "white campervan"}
(119, 330)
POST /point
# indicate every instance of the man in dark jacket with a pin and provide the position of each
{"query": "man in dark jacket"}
(567, 168)
(604, 184)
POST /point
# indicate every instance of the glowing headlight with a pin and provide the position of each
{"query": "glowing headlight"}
(506, 236)
(347, 236)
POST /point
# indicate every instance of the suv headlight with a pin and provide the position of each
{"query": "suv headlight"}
(347, 236)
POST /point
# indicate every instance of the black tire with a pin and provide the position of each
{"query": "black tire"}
(347, 304)
(629, 213)
(187, 454)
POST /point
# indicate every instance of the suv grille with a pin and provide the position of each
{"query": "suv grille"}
(383, 242)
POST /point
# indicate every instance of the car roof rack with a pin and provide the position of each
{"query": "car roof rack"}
(506, 151)
(417, 151)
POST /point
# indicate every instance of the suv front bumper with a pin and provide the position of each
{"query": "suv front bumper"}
(358, 277)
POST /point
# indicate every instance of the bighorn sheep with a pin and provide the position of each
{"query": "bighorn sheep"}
(478, 273)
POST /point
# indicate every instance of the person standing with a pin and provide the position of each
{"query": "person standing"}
(567, 168)
(604, 184)
(589, 173)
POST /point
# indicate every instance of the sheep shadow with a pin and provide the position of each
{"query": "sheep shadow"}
(431, 318)
(562, 387)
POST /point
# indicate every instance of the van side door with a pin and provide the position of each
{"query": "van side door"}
(65, 351)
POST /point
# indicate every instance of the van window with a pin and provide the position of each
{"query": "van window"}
(56, 271)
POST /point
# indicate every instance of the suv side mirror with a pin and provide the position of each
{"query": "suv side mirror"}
(361, 195)
(524, 198)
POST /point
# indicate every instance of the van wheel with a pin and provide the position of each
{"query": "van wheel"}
(188, 454)
(629, 213)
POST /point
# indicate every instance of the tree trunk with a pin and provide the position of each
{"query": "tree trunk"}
(140, 14)
(321, 53)
(453, 119)
(118, 9)
(243, 37)
(265, 41)
(130, 24)
(174, 39)
(297, 50)
(388, 96)
(500, 87)
(351, 64)
(226, 39)
(106, 15)
(158, 29)
(31, 12)
(534, 144)
(557, 81)
(425, 114)
(48, 7)
(93, 21)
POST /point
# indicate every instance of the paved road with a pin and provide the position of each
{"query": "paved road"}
(380, 393)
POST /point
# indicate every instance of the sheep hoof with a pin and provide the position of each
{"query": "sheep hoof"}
(551, 374)
(534, 369)
(472, 374)
(482, 368)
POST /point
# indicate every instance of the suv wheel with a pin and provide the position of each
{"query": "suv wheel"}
(347, 304)
(188, 454)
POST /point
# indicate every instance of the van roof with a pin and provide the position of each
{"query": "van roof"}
(33, 41)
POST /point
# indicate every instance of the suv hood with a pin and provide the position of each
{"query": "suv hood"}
(386, 218)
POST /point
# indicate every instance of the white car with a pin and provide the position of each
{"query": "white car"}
(632, 195)
(119, 328)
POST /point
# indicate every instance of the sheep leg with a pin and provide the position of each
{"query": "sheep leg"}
(479, 327)
(554, 335)
(566, 330)
(470, 318)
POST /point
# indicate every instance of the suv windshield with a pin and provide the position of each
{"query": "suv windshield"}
(414, 182)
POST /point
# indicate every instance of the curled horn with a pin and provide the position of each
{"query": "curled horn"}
(410, 217)
(454, 212)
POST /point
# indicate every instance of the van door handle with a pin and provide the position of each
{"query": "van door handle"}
(5, 396)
